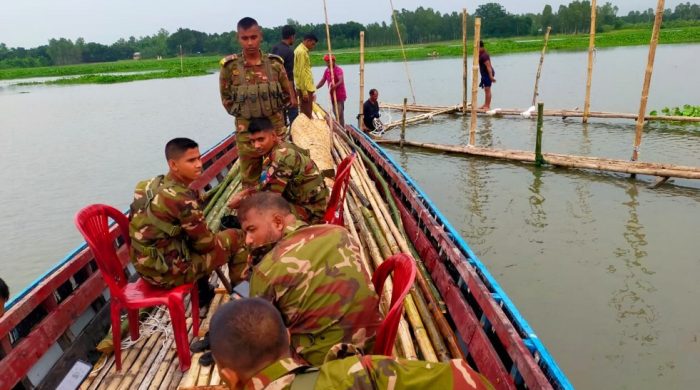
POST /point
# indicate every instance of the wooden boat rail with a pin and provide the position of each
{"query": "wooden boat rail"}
(39, 318)
(481, 311)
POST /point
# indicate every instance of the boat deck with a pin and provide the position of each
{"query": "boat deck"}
(152, 363)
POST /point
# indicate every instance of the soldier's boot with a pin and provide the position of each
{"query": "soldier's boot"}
(206, 295)
(201, 345)
(206, 359)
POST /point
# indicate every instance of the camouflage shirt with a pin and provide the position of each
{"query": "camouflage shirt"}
(290, 171)
(166, 258)
(315, 278)
(360, 372)
(229, 77)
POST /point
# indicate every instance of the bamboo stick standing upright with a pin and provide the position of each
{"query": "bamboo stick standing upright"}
(362, 78)
(465, 76)
(591, 47)
(475, 73)
(539, 67)
(331, 70)
(647, 78)
(403, 122)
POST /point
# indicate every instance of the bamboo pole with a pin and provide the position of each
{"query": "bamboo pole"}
(568, 161)
(565, 113)
(647, 78)
(539, 67)
(475, 71)
(464, 61)
(362, 78)
(421, 117)
(331, 70)
(591, 48)
(403, 51)
(539, 160)
(403, 122)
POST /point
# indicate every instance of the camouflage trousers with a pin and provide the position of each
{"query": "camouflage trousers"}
(175, 268)
(251, 164)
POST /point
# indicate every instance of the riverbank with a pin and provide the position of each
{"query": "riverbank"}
(200, 65)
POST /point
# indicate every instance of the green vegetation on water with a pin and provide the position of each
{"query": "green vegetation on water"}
(200, 65)
(686, 110)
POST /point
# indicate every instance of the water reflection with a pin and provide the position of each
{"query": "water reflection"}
(538, 217)
(635, 314)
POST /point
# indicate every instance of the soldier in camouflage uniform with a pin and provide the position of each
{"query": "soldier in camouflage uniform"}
(170, 241)
(253, 84)
(250, 346)
(288, 170)
(312, 274)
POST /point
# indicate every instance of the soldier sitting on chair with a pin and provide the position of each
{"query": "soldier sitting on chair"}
(250, 344)
(312, 274)
(170, 242)
(288, 170)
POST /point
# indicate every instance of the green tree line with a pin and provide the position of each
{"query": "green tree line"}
(419, 26)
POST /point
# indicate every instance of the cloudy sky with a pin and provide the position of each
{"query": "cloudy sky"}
(30, 23)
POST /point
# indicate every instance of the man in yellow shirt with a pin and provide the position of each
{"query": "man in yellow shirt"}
(303, 78)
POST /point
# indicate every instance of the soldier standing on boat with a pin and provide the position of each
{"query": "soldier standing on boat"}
(312, 274)
(287, 170)
(254, 84)
(170, 242)
(251, 346)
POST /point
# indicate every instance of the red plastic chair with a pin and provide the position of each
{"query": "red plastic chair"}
(93, 224)
(334, 211)
(403, 269)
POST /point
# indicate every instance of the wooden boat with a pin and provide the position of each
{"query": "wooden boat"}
(58, 320)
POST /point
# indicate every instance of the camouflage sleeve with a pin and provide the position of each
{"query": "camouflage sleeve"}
(191, 218)
(279, 171)
(225, 88)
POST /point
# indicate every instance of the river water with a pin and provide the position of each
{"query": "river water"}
(603, 268)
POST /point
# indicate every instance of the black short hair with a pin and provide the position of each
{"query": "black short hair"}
(4, 291)
(263, 201)
(246, 23)
(372, 91)
(260, 124)
(481, 43)
(246, 333)
(311, 37)
(176, 147)
(288, 32)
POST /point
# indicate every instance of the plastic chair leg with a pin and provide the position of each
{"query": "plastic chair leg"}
(194, 299)
(115, 314)
(134, 324)
(177, 319)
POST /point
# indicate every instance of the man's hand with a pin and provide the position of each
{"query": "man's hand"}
(305, 97)
(237, 198)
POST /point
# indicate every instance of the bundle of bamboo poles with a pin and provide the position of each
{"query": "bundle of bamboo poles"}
(374, 221)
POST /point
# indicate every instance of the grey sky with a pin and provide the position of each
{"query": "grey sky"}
(30, 23)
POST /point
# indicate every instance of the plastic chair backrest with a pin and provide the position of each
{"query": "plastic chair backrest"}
(334, 211)
(93, 223)
(403, 270)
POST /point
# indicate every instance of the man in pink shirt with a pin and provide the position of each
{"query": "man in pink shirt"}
(336, 86)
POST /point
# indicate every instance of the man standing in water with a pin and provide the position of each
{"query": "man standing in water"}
(253, 85)
(487, 75)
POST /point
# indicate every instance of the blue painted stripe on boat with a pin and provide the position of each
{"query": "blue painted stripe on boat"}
(474, 260)
(45, 275)
(16, 298)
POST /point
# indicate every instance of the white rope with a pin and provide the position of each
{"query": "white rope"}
(152, 325)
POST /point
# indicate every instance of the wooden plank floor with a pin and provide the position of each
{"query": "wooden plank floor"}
(152, 363)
